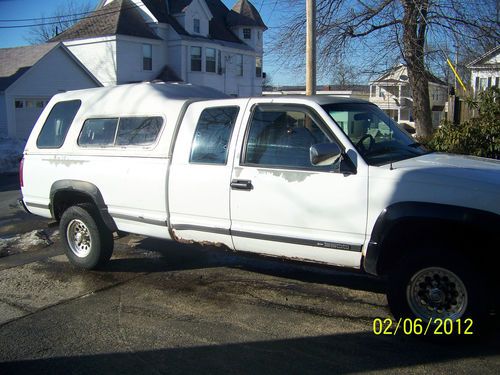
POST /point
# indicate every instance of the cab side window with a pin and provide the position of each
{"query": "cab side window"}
(282, 138)
(212, 135)
(58, 122)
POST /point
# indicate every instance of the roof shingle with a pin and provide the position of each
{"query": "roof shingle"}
(245, 14)
(14, 62)
(120, 17)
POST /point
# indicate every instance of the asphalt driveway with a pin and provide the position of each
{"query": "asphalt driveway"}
(162, 307)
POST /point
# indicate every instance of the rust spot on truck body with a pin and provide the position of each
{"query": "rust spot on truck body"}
(204, 243)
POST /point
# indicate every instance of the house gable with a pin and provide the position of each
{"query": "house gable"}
(118, 17)
(193, 15)
(56, 71)
(14, 62)
(490, 59)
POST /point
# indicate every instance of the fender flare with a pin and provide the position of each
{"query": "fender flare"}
(396, 213)
(85, 188)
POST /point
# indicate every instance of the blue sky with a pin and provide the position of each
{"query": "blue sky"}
(23, 9)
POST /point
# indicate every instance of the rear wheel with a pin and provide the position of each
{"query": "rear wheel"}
(87, 241)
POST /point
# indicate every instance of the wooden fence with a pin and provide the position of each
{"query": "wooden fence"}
(458, 110)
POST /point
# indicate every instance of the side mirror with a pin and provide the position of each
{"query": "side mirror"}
(324, 153)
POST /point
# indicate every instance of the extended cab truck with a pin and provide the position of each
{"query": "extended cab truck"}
(319, 179)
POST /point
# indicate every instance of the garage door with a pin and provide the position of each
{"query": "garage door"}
(27, 111)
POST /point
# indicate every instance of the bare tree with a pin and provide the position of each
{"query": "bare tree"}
(267, 81)
(64, 16)
(344, 74)
(381, 33)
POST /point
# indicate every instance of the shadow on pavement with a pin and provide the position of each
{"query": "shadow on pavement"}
(340, 354)
(9, 182)
(162, 255)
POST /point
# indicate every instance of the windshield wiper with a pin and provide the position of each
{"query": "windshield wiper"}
(415, 144)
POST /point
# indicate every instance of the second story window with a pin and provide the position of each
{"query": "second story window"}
(196, 59)
(247, 33)
(147, 57)
(210, 60)
(196, 25)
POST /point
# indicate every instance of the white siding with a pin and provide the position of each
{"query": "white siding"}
(483, 74)
(99, 57)
(3, 116)
(129, 57)
(255, 41)
(55, 72)
(229, 81)
(177, 60)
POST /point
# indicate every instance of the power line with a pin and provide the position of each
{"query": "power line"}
(272, 11)
(261, 4)
(48, 18)
(93, 15)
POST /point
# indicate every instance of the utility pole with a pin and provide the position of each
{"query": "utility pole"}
(311, 47)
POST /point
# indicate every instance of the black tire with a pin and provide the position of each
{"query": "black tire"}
(439, 284)
(87, 241)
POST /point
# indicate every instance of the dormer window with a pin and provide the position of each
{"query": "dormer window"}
(196, 25)
(247, 33)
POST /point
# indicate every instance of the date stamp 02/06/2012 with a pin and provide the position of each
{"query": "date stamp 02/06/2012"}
(417, 326)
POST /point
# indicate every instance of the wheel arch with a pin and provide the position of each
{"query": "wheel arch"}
(65, 193)
(446, 224)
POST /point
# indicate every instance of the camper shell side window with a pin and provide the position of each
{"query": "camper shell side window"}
(120, 131)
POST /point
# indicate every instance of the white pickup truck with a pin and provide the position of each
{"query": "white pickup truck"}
(318, 179)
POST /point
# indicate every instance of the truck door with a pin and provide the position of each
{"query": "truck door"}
(282, 205)
(200, 172)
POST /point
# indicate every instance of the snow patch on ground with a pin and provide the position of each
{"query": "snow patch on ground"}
(26, 241)
(11, 151)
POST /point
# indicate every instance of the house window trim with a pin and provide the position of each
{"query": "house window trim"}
(191, 58)
(247, 33)
(196, 26)
(214, 60)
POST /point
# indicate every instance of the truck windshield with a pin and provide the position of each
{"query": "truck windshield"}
(377, 138)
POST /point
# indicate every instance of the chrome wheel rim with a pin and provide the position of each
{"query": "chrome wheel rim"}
(436, 292)
(79, 238)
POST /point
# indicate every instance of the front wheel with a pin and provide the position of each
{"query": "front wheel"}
(87, 241)
(437, 287)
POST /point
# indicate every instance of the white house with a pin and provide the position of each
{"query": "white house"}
(392, 93)
(485, 70)
(195, 41)
(29, 77)
(125, 41)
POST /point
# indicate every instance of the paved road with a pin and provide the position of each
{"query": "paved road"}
(13, 219)
(161, 307)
